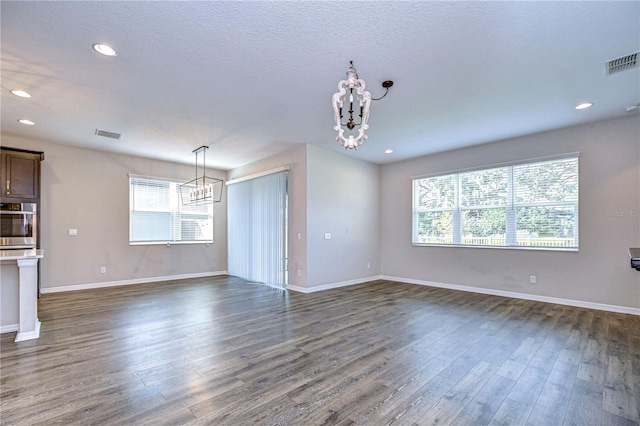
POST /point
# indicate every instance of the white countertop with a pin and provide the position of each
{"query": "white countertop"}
(21, 254)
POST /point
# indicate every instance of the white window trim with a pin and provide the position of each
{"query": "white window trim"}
(259, 174)
(168, 243)
(511, 243)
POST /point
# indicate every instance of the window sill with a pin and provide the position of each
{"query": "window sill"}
(562, 249)
(168, 243)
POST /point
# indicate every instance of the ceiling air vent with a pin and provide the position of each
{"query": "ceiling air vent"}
(622, 63)
(106, 134)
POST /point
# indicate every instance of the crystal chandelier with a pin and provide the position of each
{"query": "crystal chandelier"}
(203, 189)
(363, 98)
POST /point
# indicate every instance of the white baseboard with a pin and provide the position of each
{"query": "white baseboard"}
(28, 335)
(10, 328)
(515, 295)
(90, 286)
(332, 285)
(503, 293)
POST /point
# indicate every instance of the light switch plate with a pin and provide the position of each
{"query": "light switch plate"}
(327, 235)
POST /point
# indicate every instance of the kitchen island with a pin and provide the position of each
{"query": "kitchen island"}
(27, 285)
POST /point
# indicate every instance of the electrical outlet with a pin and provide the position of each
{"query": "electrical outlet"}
(327, 235)
(533, 279)
(368, 265)
(299, 272)
(73, 232)
(103, 269)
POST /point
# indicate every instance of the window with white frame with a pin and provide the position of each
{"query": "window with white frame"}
(157, 216)
(528, 205)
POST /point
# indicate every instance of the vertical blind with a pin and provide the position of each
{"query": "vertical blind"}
(157, 216)
(257, 229)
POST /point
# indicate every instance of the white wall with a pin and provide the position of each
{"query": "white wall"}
(89, 190)
(343, 198)
(598, 273)
(328, 192)
(296, 158)
(366, 208)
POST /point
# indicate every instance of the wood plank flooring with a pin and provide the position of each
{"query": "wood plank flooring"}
(224, 351)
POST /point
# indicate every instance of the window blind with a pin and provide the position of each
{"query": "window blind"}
(157, 216)
(523, 205)
(257, 229)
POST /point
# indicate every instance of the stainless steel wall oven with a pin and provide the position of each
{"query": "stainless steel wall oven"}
(18, 222)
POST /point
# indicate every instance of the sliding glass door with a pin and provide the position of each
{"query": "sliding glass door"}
(257, 228)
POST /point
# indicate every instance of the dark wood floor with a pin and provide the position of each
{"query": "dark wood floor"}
(224, 351)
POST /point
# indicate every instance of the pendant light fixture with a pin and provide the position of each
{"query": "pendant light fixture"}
(363, 102)
(203, 189)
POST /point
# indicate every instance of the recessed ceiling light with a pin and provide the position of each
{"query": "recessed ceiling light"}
(584, 105)
(21, 93)
(388, 151)
(27, 122)
(105, 49)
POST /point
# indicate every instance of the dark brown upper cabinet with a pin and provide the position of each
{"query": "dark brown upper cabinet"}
(20, 175)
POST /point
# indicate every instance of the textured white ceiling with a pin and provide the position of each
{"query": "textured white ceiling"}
(253, 78)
